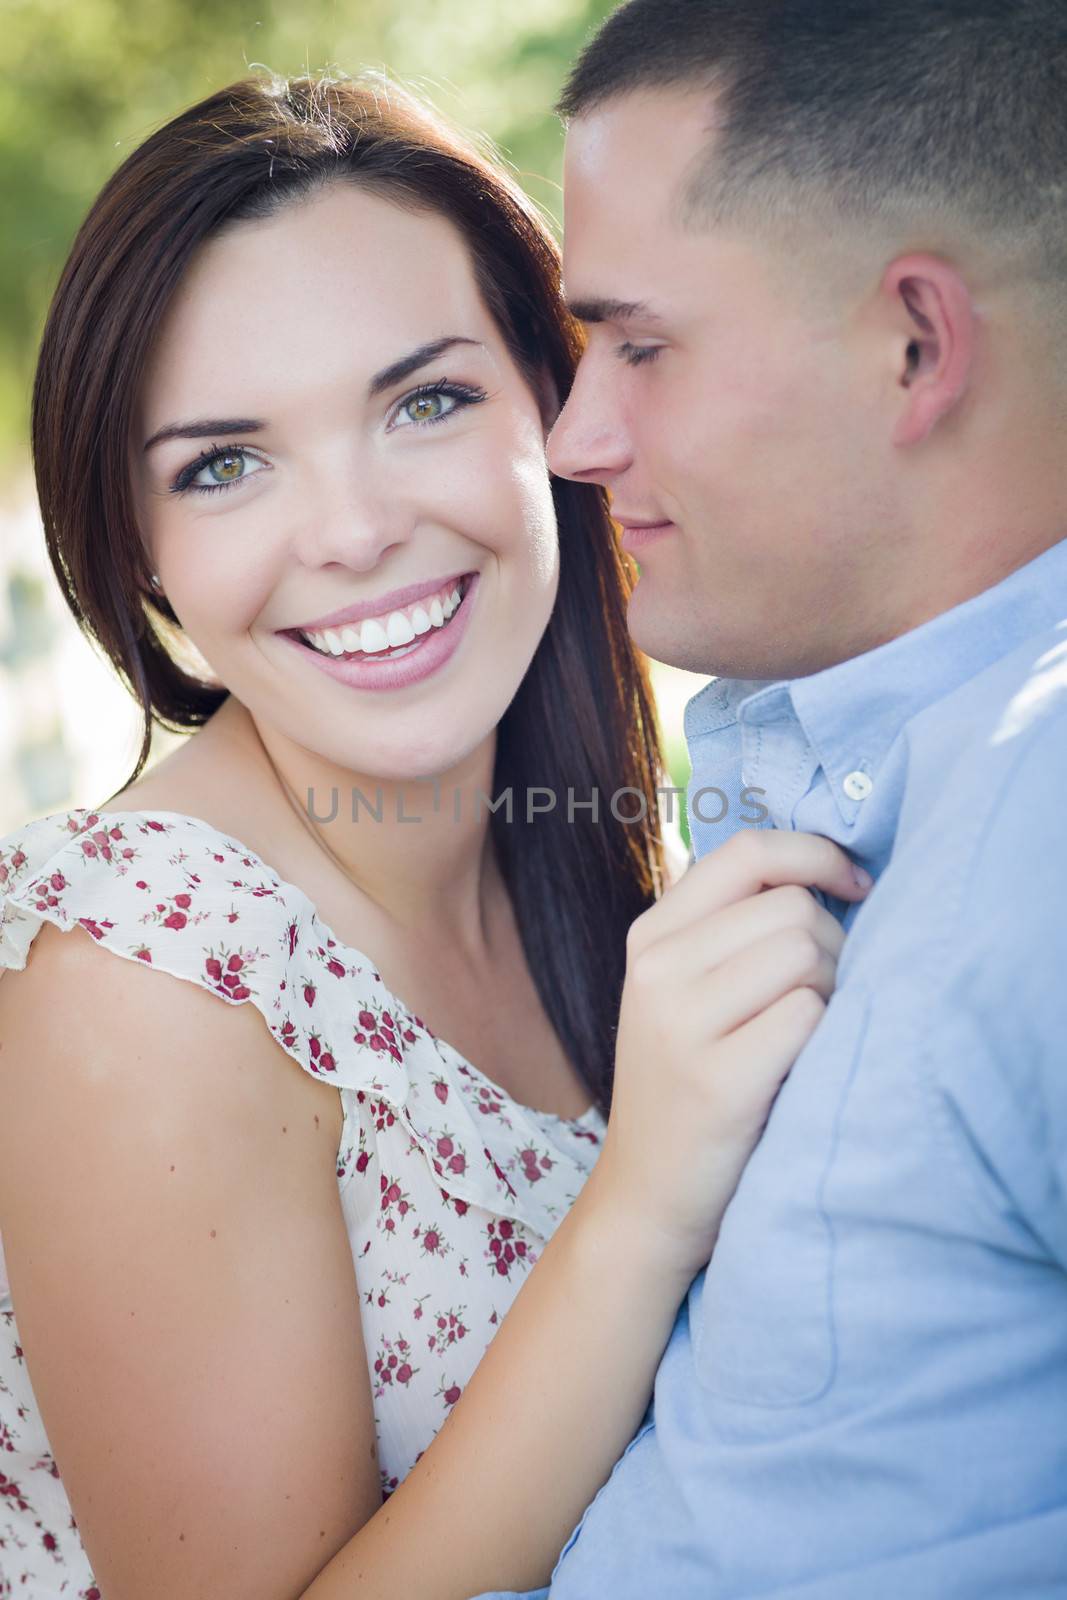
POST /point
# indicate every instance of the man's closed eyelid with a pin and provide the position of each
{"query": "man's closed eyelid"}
(636, 355)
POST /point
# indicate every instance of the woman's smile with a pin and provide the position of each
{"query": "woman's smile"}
(363, 655)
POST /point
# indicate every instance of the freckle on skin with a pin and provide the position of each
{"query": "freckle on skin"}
(284, 1128)
(172, 1169)
(212, 1233)
(316, 1122)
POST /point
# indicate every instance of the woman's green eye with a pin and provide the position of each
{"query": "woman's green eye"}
(434, 403)
(229, 460)
(424, 407)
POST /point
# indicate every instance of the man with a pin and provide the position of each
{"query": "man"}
(821, 251)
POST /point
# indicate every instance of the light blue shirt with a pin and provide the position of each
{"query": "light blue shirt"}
(865, 1395)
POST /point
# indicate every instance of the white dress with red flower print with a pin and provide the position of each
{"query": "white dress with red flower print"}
(449, 1187)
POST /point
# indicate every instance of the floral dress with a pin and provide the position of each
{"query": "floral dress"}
(449, 1188)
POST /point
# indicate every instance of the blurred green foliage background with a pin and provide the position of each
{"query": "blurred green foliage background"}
(84, 81)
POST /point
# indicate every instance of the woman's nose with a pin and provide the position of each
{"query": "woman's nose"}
(351, 521)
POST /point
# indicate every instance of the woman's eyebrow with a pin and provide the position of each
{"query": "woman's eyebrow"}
(399, 370)
(396, 372)
(204, 427)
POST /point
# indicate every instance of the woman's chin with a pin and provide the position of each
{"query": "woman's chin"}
(417, 757)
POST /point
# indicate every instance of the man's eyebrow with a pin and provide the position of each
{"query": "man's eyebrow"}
(603, 310)
(396, 372)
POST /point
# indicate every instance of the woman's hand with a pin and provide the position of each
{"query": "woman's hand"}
(726, 978)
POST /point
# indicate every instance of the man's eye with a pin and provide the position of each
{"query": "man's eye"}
(635, 354)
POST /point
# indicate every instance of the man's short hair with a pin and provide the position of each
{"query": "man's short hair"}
(951, 113)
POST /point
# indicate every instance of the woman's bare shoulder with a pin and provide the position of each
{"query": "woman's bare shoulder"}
(79, 1015)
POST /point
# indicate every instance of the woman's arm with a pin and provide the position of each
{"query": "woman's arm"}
(550, 1407)
(182, 1277)
(725, 984)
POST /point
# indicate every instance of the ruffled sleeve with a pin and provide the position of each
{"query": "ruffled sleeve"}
(173, 892)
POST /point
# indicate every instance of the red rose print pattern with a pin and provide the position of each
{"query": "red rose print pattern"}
(449, 1187)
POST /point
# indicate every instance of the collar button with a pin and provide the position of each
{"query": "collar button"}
(857, 786)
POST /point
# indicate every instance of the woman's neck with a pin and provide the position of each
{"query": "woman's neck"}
(420, 849)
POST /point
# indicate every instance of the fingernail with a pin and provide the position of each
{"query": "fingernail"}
(863, 878)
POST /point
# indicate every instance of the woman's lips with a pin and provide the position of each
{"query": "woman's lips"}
(423, 658)
(635, 536)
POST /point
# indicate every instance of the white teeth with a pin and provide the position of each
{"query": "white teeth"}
(375, 637)
(384, 633)
(398, 629)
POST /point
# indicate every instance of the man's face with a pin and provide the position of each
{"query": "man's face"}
(723, 398)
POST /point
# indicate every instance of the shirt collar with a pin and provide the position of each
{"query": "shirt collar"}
(852, 712)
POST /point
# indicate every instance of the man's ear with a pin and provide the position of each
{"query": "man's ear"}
(937, 323)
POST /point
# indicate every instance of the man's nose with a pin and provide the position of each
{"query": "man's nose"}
(589, 441)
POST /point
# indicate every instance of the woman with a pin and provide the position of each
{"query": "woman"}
(288, 427)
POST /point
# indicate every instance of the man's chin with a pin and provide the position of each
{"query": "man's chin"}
(666, 635)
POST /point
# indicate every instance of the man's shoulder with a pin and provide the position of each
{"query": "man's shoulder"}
(979, 863)
(986, 808)
(1001, 731)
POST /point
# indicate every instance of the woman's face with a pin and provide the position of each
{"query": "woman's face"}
(336, 482)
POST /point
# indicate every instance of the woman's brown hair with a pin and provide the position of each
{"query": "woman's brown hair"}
(583, 719)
